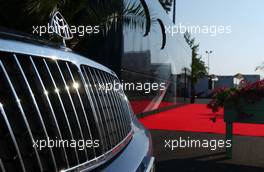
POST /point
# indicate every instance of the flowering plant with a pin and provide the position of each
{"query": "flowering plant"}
(234, 97)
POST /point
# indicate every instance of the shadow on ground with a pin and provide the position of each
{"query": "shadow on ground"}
(246, 157)
(194, 164)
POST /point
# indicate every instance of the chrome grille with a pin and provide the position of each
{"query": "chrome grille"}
(43, 98)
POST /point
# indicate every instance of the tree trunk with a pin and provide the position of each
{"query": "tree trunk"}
(192, 79)
(192, 92)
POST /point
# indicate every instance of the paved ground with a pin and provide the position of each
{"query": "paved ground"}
(248, 154)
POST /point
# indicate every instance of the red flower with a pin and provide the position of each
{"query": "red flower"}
(249, 92)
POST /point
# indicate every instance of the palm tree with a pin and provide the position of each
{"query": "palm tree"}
(107, 14)
(110, 15)
(198, 69)
(166, 4)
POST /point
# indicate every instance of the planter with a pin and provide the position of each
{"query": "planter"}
(243, 104)
(245, 113)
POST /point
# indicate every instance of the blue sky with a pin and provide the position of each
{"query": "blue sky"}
(243, 49)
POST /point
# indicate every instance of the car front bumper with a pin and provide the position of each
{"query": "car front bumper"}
(136, 156)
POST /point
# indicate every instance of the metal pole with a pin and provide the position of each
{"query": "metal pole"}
(208, 56)
(208, 63)
(174, 12)
(185, 83)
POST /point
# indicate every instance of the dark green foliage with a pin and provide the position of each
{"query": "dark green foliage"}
(198, 69)
(21, 15)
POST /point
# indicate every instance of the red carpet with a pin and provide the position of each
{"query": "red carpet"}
(196, 118)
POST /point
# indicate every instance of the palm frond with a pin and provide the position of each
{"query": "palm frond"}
(260, 68)
(166, 4)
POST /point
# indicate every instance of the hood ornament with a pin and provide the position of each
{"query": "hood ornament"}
(60, 27)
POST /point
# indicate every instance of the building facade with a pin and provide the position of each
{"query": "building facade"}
(204, 87)
(156, 58)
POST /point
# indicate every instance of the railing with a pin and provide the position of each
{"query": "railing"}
(44, 98)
